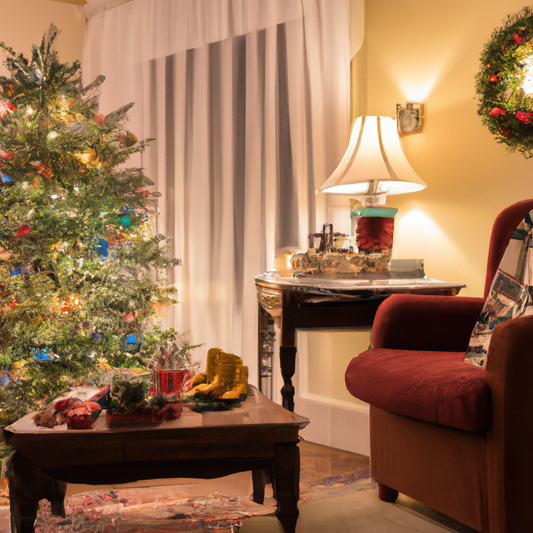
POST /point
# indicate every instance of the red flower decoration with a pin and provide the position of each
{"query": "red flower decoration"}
(525, 118)
(517, 38)
(23, 230)
(497, 111)
(504, 132)
(493, 78)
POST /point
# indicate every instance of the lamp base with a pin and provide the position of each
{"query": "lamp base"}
(372, 229)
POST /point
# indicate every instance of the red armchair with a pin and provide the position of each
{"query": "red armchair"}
(453, 436)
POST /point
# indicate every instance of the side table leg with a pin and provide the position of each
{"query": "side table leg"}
(27, 486)
(287, 484)
(287, 362)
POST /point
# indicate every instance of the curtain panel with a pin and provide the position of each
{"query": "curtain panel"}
(248, 103)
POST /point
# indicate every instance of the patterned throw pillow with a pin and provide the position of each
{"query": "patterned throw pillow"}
(511, 292)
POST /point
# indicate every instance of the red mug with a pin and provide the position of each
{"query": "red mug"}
(168, 382)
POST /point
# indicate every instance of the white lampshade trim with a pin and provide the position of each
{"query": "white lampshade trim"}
(374, 162)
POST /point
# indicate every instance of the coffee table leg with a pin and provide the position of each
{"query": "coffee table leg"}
(287, 363)
(259, 479)
(27, 486)
(286, 481)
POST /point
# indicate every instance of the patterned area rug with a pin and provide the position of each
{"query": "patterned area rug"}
(158, 510)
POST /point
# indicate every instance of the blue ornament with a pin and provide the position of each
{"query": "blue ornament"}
(131, 342)
(102, 248)
(40, 355)
(99, 337)
(5, 178)
(125, 221)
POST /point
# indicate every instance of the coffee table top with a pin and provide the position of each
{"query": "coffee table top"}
(254, 427)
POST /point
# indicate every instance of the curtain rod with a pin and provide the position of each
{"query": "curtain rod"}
(94, 7)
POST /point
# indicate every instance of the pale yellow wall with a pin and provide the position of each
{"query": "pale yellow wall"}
(428, 51)
(24, 22)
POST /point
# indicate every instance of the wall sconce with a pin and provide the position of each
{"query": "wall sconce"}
(372, 167)
(411, 118)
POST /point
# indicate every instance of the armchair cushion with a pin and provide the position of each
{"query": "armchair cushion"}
(422, 322)
(436, 387)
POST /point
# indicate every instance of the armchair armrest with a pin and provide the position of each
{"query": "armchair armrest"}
(423, 322)
(509, 374)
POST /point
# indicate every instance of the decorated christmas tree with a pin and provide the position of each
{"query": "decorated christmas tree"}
(80, 264)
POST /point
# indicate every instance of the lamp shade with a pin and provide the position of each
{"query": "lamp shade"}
(374, 162)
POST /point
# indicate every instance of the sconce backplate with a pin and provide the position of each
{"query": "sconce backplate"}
(410, 118)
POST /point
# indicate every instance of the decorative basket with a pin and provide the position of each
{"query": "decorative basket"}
(169, 411)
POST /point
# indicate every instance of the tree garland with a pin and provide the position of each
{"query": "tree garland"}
(505, 99)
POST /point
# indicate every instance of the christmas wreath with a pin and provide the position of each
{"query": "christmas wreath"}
(504, 83)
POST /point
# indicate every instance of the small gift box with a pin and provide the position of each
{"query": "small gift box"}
(82, 415)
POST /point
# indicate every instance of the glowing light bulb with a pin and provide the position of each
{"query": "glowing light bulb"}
(527, 68)
(52, 135)
(29, 111)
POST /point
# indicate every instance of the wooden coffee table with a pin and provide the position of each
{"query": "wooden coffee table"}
(260, 436)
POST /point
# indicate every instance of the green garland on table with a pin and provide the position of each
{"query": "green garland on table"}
(506, 109)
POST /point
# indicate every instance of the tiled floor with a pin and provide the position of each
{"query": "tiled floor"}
(338, 510)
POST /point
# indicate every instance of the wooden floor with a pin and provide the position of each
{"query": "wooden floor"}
(318, 462)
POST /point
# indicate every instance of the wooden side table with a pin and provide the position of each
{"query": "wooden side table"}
(299, 303)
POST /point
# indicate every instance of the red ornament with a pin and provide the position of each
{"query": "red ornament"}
(131, 316)
(5, 108)
(525, 118)
(127, 139)
(5, 155)
(517, 38)
(23, 230)
(144, 193)
(42, 169)
(497, 111)
(504, 132)
(493, 78)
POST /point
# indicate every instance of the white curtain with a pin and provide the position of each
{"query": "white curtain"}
(248, 101)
